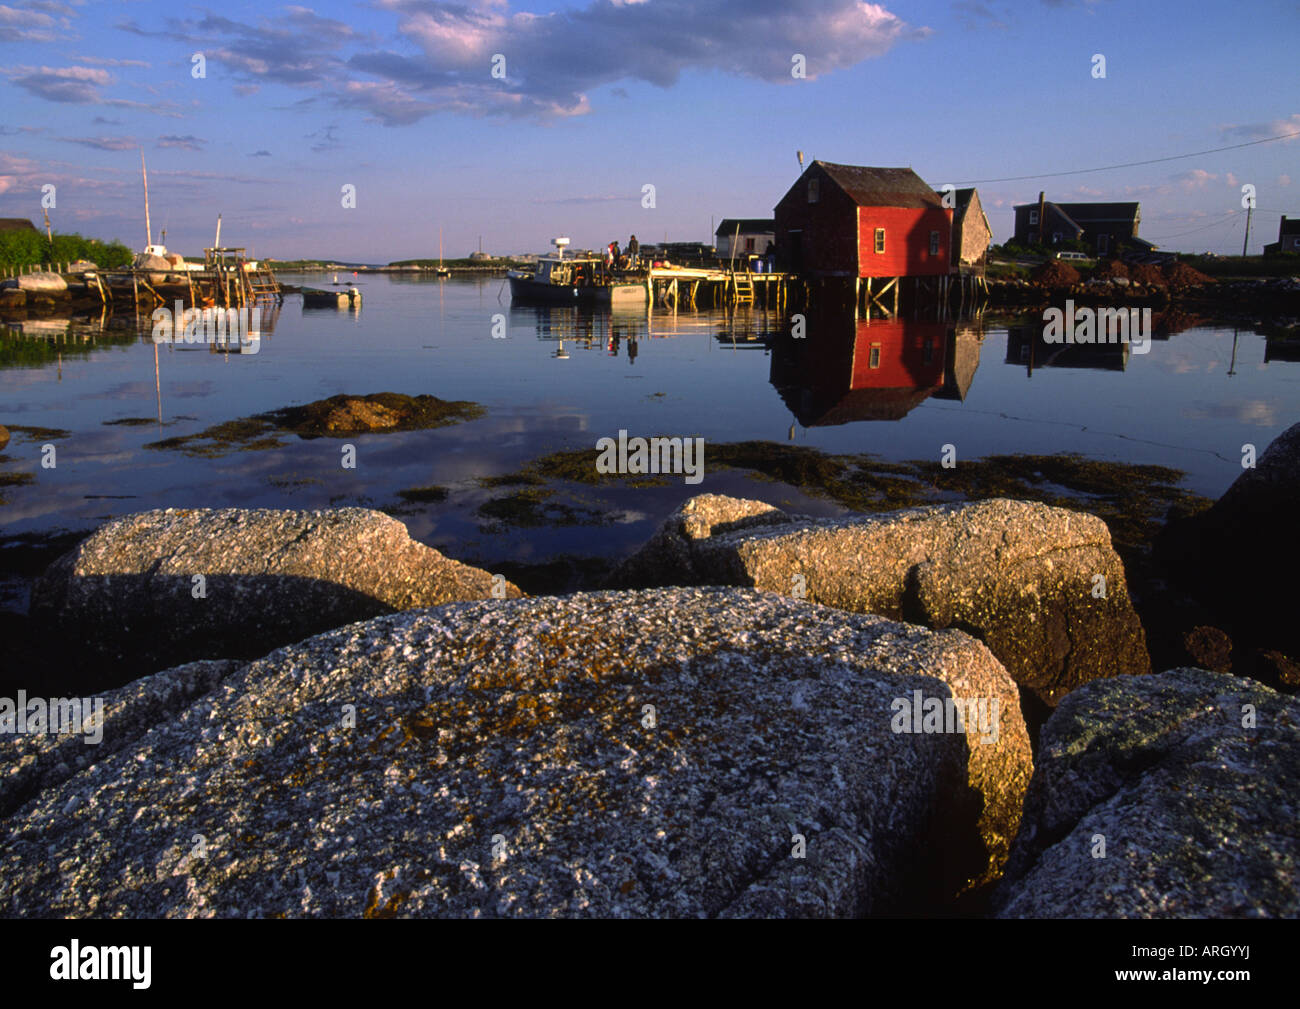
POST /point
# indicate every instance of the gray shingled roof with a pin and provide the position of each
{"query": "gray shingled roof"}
(882, 187)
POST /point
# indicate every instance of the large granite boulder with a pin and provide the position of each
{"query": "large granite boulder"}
(39, 283)
(681, 752)
(101, 724)
(170, 586)
(1162, 796)
(1022, 577)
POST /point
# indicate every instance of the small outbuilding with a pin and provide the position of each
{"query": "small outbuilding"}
(16, 224)
(971, 233)
(752, 236)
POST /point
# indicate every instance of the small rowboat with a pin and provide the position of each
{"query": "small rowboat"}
(349, 297)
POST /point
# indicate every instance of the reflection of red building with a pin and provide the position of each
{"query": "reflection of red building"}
(879, 370)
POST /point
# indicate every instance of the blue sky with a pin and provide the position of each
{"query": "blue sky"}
(603, 97)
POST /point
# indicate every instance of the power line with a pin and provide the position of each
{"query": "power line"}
(1129, 164)
(1213, 224)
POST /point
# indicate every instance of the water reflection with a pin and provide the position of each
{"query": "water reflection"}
(28, 343)
(563, 372)
(846, 369)
(1027, 347)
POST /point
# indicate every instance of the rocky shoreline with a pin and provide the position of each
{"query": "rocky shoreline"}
(761, 714)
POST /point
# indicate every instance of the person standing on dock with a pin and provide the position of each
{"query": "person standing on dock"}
(633, 252)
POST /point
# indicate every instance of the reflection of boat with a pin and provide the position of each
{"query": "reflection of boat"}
(848, 370)
(349, 297)
(554, 323)
(580, 280)
(441, 271)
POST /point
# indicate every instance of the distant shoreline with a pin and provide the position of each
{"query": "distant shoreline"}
(491, 266)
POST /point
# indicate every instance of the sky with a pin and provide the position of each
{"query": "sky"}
(509, 123)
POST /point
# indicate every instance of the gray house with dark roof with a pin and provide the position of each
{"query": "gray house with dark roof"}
(1105, 228)
(1288, 237)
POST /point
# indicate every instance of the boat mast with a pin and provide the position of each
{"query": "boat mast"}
(148, 228)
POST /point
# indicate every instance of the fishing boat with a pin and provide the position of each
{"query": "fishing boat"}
(582, 279)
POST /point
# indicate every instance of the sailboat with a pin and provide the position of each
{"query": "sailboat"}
(441, 271)
(156, 257)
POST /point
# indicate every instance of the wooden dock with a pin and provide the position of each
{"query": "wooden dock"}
(696, 287)
(226, 281)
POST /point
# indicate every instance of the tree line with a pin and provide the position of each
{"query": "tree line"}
(31, 248)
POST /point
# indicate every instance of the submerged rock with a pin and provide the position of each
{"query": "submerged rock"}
(683, 752)
(1041, 586)
(173, 585)
(336, 417)
(1162, 796)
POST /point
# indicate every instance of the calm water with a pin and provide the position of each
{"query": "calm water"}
(559, 379)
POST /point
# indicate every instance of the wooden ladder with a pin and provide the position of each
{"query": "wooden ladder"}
(742, 288)
(262, 284)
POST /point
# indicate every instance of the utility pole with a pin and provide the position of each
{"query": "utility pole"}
(1249, 210)
(48, 236)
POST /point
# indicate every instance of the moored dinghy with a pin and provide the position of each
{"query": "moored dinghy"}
(350, 297)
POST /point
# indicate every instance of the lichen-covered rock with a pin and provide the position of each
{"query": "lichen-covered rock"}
(656, 753)
(1188, 779)
(174, 585)
(109, 722)
(1041, 586)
